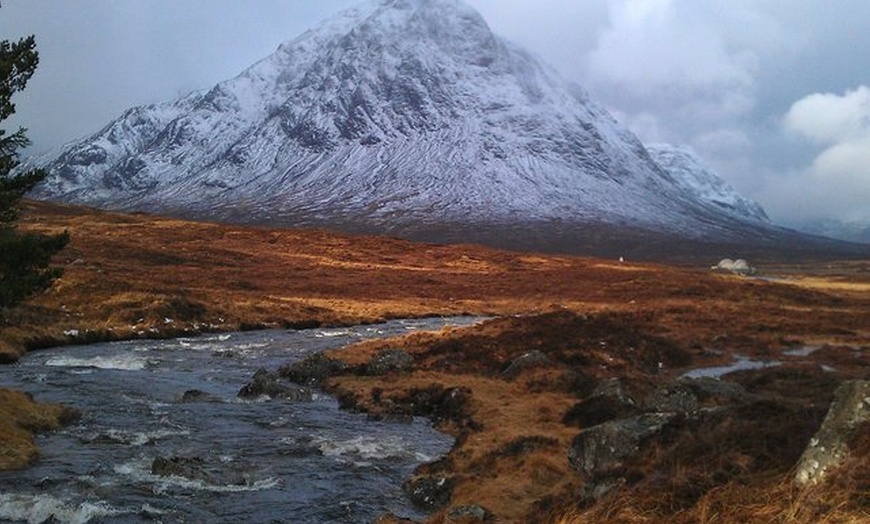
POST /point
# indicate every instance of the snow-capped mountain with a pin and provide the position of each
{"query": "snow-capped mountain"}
(696, 177)
(398, 115)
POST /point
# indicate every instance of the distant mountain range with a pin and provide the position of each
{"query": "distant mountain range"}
(404, 117)
(849, 231)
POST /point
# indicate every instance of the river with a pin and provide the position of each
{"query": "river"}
(265, 461)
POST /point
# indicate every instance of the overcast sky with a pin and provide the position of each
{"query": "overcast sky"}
(774, 94)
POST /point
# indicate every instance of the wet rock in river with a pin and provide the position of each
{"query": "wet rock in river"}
(191, 468)
(313, 370)
(196, 469)
(195, 395)
(388, 360)
(269, 384)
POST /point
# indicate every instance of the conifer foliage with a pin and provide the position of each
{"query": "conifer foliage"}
(24, 258)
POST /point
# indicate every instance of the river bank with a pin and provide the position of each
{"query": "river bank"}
(518, 392)
(20, 419)
(137, 276)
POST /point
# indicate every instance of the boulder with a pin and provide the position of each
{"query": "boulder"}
(604, 448)
(313, 370)
(828, 448)
(387, 360)
(532, 359)
(607, 401)
(196, 469)
(269, 384)
(195, 395)
(673, 397)
(191, 468)
(601, 453)
(430, 492)
(718, 391)
(469, 514)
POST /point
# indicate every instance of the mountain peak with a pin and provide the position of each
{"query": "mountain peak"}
(399, 115)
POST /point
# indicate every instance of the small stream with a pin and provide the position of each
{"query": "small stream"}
(268, 461)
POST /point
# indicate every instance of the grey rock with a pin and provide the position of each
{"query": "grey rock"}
(605, 447)
(611, 388)
(314, 370)
(430, 493)
(532, 359)
(688, 395)
(195, 468)
(608, 401)
(719, 391)
(195, 395)
(828, 448)
(269, 384)
(470, 513)
(186, 467)
(674, 397)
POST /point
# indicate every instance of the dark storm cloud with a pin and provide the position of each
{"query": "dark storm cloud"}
(719, 76)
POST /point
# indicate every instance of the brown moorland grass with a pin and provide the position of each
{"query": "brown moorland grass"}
(134, 275)
(513, 431)
(20, 417)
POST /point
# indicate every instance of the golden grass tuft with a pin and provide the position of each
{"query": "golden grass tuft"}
(20, 418)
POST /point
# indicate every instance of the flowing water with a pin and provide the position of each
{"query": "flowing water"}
(264, 461)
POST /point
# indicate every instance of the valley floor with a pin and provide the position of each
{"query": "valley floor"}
(588, 320)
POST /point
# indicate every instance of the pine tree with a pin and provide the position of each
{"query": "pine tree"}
(24, 258)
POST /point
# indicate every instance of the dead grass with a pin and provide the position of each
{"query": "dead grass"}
(20, 417)
(511, 449)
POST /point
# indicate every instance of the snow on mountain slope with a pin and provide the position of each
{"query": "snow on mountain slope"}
(695, 177)
(391, 115)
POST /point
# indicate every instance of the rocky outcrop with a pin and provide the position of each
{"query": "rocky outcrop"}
(828, 448)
